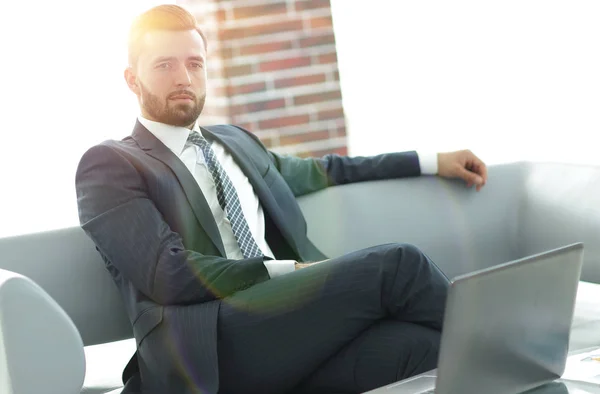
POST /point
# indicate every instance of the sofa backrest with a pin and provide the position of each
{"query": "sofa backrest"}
(559, 205)
(67, 266)
(525, 208)
(461, 230)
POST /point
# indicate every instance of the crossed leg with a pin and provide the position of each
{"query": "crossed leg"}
(349, 324)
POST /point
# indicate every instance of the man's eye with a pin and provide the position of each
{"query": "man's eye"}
(164, 66)
(197, 65)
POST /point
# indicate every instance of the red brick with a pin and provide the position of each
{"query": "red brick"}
(221, 15)
(248, 126)
(332, 95)
(257, 106)
(259, 30)
(317, 23)
(261, 10)
(313, 41)
(265, 48)
(312, 4)
(267, 142)
(285, 64)
(227, 53)
(331, 114)
(336, 75)
(246, 89)
(342, 151)
(284, 122)
(300, 81)
(294, 139)
(341, 131)
(328, 58)
(237, 71)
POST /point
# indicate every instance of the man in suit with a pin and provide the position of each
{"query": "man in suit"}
(201, 232)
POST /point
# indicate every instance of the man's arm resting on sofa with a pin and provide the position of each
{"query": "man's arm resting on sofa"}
(311, 174)
(131, 234)
(307, 175)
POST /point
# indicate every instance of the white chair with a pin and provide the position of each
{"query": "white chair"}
(41, 351)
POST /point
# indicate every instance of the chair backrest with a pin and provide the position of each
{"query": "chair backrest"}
(40, 348)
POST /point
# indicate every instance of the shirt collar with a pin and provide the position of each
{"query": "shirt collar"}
(174, 137)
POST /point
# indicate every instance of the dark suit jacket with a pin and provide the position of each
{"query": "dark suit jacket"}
(153, 227)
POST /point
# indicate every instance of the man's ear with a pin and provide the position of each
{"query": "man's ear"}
(132, 81)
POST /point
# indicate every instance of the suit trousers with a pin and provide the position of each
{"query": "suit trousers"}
(345, 325)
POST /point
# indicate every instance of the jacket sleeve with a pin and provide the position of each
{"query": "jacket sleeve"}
(131, 234)
(307, 175)
(311, 174)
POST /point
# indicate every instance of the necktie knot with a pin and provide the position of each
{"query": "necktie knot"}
(197, 139)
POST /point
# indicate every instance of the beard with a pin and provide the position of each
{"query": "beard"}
(168, 112)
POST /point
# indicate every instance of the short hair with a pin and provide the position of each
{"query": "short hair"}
(163, 17)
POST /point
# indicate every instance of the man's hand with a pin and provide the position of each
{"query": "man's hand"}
(465, 165)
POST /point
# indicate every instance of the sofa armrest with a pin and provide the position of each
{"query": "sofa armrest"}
(41, 351)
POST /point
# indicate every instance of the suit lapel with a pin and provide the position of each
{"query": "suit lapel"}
(268, 202)
(153, 147)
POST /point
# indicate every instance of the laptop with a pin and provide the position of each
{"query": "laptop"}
(506, 328)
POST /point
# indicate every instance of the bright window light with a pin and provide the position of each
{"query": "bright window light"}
(511, 80)
(62, 92)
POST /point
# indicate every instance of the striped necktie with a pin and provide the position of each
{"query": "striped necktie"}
(228, 198)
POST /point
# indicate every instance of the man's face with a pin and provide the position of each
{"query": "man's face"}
(169, 77)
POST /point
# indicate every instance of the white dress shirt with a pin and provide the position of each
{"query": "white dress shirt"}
(175, 138)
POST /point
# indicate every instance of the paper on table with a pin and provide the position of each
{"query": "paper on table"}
(584, 367)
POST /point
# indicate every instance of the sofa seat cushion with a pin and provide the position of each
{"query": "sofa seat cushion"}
(104, 366)
(585, 330)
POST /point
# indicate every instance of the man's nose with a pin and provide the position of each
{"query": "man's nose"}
(182, 77)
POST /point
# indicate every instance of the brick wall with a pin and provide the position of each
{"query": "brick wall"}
(273, 70)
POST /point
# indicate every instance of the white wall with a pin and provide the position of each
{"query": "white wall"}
(62, 91)
(511, 79)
